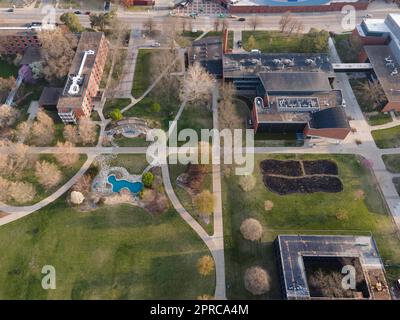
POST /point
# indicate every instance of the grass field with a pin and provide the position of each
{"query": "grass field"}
(141, 80)
(118, 252)
(300, 213)
(186, 199)
(276, 41)
(7, 69)
(387, 138)
(392, 162)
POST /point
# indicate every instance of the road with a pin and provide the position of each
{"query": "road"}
(331, 21)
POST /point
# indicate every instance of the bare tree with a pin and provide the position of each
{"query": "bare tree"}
(254, 22)
(58, 52)
(8, 116)
(6, 84)
(71, 133)
(16, 160)
(217, 24)
(43, 129)
(67, 158)
(149, 26)
(160, 62)
(197, 85)
(20, 192)
(225, 24)
(47, 174)
(257, 280)
(285, 21)
(22, 133)
(87, 131)
(183, 24)
(251, 229)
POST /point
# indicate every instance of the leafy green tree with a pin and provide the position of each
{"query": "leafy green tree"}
(102, 20)
(116, 114)
(72, 22)
(148, 179)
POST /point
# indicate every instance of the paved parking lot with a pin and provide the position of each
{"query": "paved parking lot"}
(201, 7)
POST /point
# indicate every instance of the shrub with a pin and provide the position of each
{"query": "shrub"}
(155, 107)
(268, 205)
(148, 179)
(116, 114)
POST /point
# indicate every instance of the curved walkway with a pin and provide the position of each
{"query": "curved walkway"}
(19, 212)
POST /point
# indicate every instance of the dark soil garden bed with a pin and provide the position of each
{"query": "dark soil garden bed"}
(291, 168)
(320, 167)
(308, 184)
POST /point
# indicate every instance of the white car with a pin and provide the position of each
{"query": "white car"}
(156, 44)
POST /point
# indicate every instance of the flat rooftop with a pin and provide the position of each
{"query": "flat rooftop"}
(274, 113)
(248, 65)
(292, 249)
(385, 65)
(294, 81)
(87, 41)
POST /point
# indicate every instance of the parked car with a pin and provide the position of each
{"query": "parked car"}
(156, 44)
(239, 43)
(398, 284)
(242, 19)
(77, 12)
(88, 13)
(10, 10)
(107, 5)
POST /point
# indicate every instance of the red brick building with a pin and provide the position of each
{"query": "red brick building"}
(84, 78)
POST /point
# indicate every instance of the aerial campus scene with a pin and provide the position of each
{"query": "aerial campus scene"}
(200, 150)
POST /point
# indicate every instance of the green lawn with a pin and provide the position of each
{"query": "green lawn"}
(186, 200)
(8, 69)
(196, 118)
(141, 80)
(276, 41)
(387, 138)
(115, 103)
(118, 252)
(143, 109)
(392, 162)
(301, 213)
